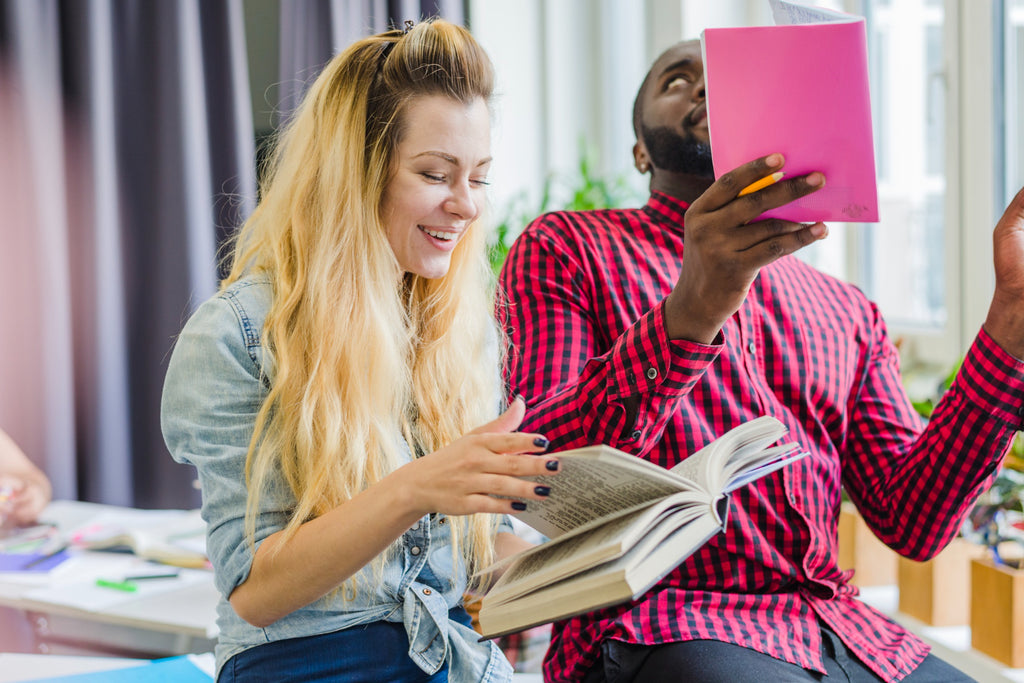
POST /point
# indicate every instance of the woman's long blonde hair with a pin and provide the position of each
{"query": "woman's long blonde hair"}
(358, 356)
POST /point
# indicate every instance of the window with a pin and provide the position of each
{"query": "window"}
(1013, 96)
(903, 264)
(900, 261)
(949, 146)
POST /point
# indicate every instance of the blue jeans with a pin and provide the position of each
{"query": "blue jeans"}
(369, 653)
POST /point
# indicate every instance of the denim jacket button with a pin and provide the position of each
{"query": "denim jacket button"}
(426, 591)
(415, 550)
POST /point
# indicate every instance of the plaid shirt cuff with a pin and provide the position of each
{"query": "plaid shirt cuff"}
(994, 380)
(645, 361)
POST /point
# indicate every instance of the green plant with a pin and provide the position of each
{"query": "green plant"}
(925, 406)
(583, 192)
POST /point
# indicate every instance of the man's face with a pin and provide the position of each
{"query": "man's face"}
(674, 120)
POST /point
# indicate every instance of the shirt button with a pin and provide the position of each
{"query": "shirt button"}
(415, 550)
(416, 526)
(652, 373)
(426, 591)
(751, 347)
(636, 434)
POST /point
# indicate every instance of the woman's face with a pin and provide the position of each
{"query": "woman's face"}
(437, 187)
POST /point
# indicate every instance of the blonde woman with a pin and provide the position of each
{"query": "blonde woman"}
(339, 396)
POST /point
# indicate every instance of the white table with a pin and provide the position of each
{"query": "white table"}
(173, 622)
(176, 617)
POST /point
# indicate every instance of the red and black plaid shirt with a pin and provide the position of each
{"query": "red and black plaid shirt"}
(586, 319)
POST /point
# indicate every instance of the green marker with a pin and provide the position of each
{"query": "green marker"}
(117, 585)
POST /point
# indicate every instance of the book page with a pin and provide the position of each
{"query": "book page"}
(739, 444)
(610, 583)
(784, 12)
(172, 536)
(676, 527)
(561, 557)
(594, 483)
(774, 459)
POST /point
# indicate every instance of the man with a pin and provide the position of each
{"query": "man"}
(629, 330)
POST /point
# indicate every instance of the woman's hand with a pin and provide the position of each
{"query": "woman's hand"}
(465, 476)
(459, 479)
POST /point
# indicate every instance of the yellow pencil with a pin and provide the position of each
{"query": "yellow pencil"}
(762, 183)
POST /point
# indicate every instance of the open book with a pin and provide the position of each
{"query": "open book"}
(618, 524)
(806, 95)
(174, 537)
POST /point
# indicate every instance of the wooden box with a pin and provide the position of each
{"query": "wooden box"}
(874, 564)
(938, 592)
(997, 611)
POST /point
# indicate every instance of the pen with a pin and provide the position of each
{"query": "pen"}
(43, 557)
(762, 183)
(117, 585)
(148, 577)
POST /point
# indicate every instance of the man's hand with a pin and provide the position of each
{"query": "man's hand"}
(1005, 321)
(723, 250)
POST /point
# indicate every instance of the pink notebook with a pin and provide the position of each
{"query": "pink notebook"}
(799, 88)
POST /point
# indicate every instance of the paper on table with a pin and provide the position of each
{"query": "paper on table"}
(81, 591)
(808, 98)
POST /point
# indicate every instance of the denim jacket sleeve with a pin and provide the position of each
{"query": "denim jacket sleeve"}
(212, 394)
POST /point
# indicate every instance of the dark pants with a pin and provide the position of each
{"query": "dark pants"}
(371, 653)
(711, 661)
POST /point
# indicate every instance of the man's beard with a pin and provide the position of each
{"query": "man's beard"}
(670, 151)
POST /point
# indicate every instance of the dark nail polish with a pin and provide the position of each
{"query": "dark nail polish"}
(542, 490)
(541, 442)
(552, 465)
(518, 505)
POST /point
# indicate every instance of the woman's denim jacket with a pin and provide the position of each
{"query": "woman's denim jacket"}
(211, 396)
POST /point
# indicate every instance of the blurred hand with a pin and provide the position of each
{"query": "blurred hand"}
(21, 501)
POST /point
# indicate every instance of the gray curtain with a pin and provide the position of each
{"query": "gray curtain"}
(312, 31)
(131, 141)
(126, 158)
